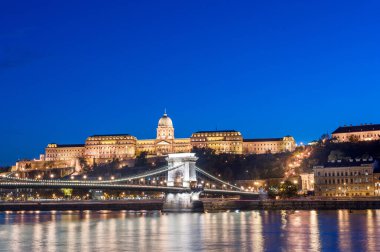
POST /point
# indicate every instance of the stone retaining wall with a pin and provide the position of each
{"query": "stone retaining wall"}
(220, 205)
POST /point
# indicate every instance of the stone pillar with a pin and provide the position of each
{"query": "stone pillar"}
(185, 171)
(182, 202)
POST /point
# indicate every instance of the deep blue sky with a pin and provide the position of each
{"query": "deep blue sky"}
(70, 69)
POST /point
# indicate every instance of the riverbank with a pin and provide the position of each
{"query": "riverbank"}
(113, 205)
(295, 204)
(209, 205)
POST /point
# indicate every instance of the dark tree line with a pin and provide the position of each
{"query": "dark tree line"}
(321, 153)
(242, 167)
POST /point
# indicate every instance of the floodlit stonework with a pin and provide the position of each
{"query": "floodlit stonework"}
(268, 145)
(223, 141)
(340, 178)
(105, 148)
(364, 132)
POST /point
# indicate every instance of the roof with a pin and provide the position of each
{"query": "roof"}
(348, 163)
(376, 166)
(110, 135)
(263, 139)
(215, 131)
(69, 145)
(165, 121)
(359, 128)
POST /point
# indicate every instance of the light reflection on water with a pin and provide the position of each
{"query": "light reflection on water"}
(229, 231)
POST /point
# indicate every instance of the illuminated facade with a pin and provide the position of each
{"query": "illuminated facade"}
(224, 141)
(124, 146)
(104, 148)
(366, 132)
(165, 141)
(268, 145)
(352, 178)
(54, 152)
(307, 182)
(121, 146)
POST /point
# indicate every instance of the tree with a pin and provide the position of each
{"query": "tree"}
(83, 164)
(288, 189)
(324, 137)
(336, 155)
(67, 192)
(5, 169)
(272, 191)
(353, 138)
(141, 159)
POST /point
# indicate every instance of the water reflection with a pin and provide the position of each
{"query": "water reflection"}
(314, 237)
(257, 242)
(344, 230)
(152, 231)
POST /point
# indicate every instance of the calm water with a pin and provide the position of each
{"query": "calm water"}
(153, 231)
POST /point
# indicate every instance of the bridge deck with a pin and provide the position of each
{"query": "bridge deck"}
(89, 185)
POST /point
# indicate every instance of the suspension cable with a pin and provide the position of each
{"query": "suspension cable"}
(143, 175)
(215, 178)
(138, 176)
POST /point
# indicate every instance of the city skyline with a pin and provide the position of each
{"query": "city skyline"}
(80, 142)
(265, 69)
(190, 125)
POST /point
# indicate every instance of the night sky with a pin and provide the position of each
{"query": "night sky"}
(71, 69)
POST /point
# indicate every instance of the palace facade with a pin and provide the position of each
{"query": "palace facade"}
(346, 178)
(364, 132)
(222, 141)
(268, 145)
(121, 146)
(104, 148)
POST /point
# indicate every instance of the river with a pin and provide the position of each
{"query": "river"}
(339, 230)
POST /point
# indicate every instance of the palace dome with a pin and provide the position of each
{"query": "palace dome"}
(165, 121)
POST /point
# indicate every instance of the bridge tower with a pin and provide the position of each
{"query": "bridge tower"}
(185, 173)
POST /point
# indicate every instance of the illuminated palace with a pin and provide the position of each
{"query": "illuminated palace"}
(347, 178)
(102, 148)
(122, 146)
(364, 132)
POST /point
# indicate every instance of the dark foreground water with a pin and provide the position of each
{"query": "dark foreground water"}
(224, 231)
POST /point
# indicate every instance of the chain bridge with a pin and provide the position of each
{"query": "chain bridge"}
(182, 187)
